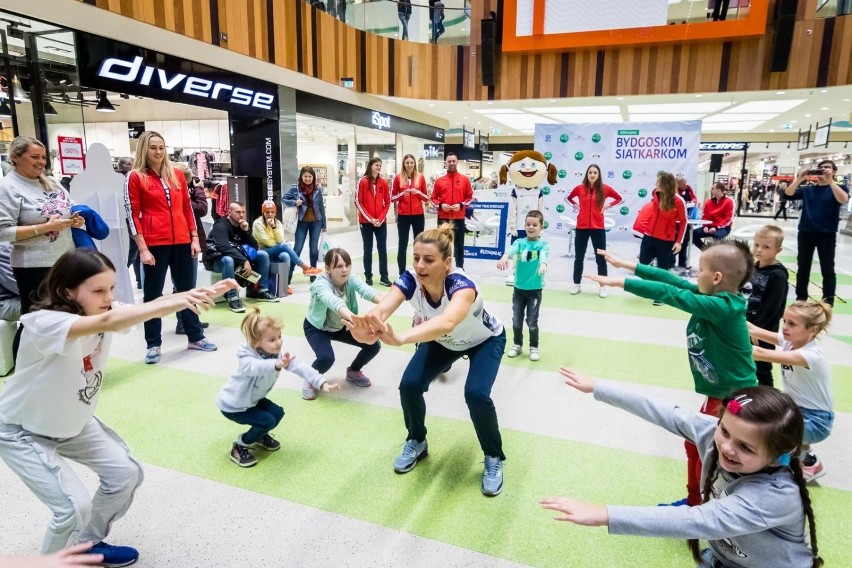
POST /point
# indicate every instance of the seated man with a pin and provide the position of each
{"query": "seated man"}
(10, 299)
(719, 211)
(225, 252)
(268, 231)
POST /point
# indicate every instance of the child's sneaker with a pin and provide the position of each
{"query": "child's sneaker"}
(813, 472)
(514, 351)
(534, 355)
(267, 443)
(115, 556)
(357, 378)
(308, 392)
(603, 293)
(241, 456)
(575, 289)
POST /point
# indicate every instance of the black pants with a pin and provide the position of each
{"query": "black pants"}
(529, 302)
(133, 260)
(381, 233)
(764, 368)
(782, 209)
(824, 244)
(684, 247)
(652, 248)
(29, 281)
(458, 239)
(403, 223)
(581, 241)
(178, 259)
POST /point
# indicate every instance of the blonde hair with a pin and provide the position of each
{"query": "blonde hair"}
(254, 326)
(815, 314)
(20, 146)
(140, 159)
(441, 236)
(772, 232)
(403, 175)
(183, 168)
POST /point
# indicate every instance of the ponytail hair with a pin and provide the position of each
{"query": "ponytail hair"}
(441, 236)
(815, 314)
(255, 325)
(780, 420)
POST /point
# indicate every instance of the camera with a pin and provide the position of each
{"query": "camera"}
(815, 171)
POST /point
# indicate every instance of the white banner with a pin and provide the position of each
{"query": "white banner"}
(629, 156)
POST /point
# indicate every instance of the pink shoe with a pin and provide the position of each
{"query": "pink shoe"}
(357, 378)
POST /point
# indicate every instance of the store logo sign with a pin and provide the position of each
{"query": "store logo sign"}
(431, 151)
(710, 146)
(380, 121)
(134, 72)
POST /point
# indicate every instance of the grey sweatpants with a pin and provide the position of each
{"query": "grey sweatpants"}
(40, 463)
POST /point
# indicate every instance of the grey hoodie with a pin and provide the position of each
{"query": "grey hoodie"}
(753, 521)
(255, 377)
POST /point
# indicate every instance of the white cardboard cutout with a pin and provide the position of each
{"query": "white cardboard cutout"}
(102, 188)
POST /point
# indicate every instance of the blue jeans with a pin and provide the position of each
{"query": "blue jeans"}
(432, 358)
(304, 229)
(818, 424)
(225, 265)
(263, 418)
(282, 251)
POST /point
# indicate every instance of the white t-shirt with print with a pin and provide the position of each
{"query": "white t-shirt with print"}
(475, 328)
(809, 387)
(57, 381)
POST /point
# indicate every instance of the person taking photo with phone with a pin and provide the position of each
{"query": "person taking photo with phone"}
(818, 223)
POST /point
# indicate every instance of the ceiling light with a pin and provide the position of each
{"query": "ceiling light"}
(846, 100)
(824, 108)
(431, 104)
(698, 96)
(602, 109)
(49, 110)
(4, 108)
(619, 98)
(662, 117)
(553, 100)
(781, 93)
(823, 90)
(807, 116)
(492, 111)
(678, 107)
(103, 103)
(766, 106)
(490, 103)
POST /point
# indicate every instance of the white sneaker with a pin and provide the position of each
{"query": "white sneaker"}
(602, 293)
(514, 351)
(575, 289)
(534, 356)
(510, 280)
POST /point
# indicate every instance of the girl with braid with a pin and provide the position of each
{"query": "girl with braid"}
(755, 501)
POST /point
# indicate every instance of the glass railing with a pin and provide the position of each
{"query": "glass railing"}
(446, 22)
(832, 8)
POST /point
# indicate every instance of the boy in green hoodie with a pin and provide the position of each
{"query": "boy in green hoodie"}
(720, 354)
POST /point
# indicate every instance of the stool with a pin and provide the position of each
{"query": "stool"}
(7, 336)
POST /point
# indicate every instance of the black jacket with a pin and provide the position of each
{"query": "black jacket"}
(768, 296)
(225, 240)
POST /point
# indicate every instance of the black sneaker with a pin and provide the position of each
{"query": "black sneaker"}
(369, 280)
(236, 305)
(267, 296)
(179, 330)
(267, 443)
(385, 282)
(241, 456)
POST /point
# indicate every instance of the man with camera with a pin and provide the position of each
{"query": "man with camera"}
(818, 224)
(231, 249)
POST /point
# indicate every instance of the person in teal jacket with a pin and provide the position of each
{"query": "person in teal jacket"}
(719, 347)
(334, 300)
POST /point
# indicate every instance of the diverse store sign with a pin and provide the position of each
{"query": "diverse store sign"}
(72, 156)
(124, 68)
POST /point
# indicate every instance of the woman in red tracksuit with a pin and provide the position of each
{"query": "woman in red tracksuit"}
(591, 198)
(373, 203)
(409, 194)
(163, 226)
(663, 233)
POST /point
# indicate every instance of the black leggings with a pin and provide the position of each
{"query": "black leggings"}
(582, 237)
(403, 223)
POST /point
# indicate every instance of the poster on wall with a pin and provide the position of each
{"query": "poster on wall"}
(72, 157)
(629, 156)
(486, 224)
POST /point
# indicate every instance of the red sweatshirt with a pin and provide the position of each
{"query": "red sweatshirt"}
(667, 225)
(452, 189)
(720, 213)
(590, 215)
(372, 200)
(163, 217)
(410, 203)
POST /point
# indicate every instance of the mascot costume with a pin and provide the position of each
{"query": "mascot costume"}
(526, 169)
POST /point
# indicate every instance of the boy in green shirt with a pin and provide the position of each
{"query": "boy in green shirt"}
(719, 347)
(530, 255)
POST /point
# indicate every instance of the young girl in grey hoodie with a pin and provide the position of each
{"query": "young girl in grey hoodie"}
(755, 501)
(243, 398)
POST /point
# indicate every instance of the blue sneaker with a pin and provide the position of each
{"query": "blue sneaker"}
(412, 452)
(678, 503)
(115, 556)
(152, 356)
(492, 476)
(201, 345)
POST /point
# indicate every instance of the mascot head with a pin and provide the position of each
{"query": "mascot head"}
(528, 168)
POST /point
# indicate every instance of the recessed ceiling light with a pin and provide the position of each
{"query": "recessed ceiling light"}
(465, 118)
(698, 96)
(619, 98)
(431, 104)
(846, 100)
(781, 93)
(553, 100)
(824, 108)
(490, 103)
(771, 130)
(766, 106)
(823, 90)
(807, 116)
(449, 112)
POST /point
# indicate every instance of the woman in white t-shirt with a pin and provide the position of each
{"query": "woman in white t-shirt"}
(805, 372)
(450, 322)
(47, 407)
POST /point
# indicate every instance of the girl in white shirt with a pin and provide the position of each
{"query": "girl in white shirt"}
(805, 372)
(47, 407)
